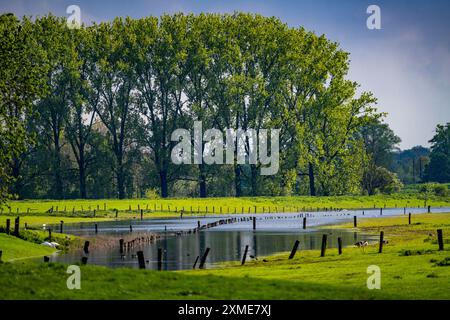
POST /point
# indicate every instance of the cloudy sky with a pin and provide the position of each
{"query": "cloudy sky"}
(406, 64)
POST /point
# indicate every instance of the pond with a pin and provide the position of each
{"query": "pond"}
(274, 233)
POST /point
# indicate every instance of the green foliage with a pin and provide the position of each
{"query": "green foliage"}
(21, 81)
(118, 89)
(152, 194)
(440, 190)
(380, 142)
(379, 179)
(410, 164)
(439, 167)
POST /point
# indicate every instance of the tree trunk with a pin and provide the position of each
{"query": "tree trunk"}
(237, 180)
(16, 186)
(163, 182)
(254, 178)
(82, 175)
(120, 181)
(312, 185)
(58, 178)
(202, 181)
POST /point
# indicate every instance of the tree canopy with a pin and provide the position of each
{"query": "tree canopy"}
(118, 89)
(438, 170)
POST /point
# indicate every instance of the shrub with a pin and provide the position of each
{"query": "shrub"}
(152, 194)
(441, 190)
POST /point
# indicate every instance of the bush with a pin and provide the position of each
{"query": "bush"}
(440, 190)
(152, 194)
(380, 180)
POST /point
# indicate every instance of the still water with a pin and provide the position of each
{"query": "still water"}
(274, 233)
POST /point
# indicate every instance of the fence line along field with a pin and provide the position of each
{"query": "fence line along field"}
(228, 205)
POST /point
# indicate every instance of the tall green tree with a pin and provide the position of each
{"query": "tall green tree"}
(114, 80)
(53, 34)
(438, 170)
(380, 142)
(82, 101)
(160, 65)
(21, 82)
(324, 112)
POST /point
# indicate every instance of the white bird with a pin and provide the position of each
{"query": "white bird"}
(48, 244)
(361, 244)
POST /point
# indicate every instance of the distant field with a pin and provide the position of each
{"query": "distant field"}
(227, 205)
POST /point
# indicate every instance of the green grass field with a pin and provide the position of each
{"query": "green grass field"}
(34, 212)
(411, 268)
(232, 204)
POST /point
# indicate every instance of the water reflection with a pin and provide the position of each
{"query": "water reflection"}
(274, 233)
(181, 252)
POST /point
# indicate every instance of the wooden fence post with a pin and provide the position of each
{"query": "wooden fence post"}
(381, 211)
(195, 263)
(380, 250)
(355, 222)
(61, 227)
(254, 223)
(294, 249)
(159, 259)
(49, 235)
(141, 259)
(245, 255)
(340, 245)
(409, 218)
(16, 226)
(121, 246)
(142, 214)
(440, 240)
(86, 247)
(304, 222)
(324, 245)
(96, 228)
(203, 260)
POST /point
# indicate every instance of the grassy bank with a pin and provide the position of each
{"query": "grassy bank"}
(411, 268)
(14, 248)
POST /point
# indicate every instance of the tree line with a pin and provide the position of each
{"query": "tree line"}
(89, 112)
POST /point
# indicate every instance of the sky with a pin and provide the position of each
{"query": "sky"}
(406, 63)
